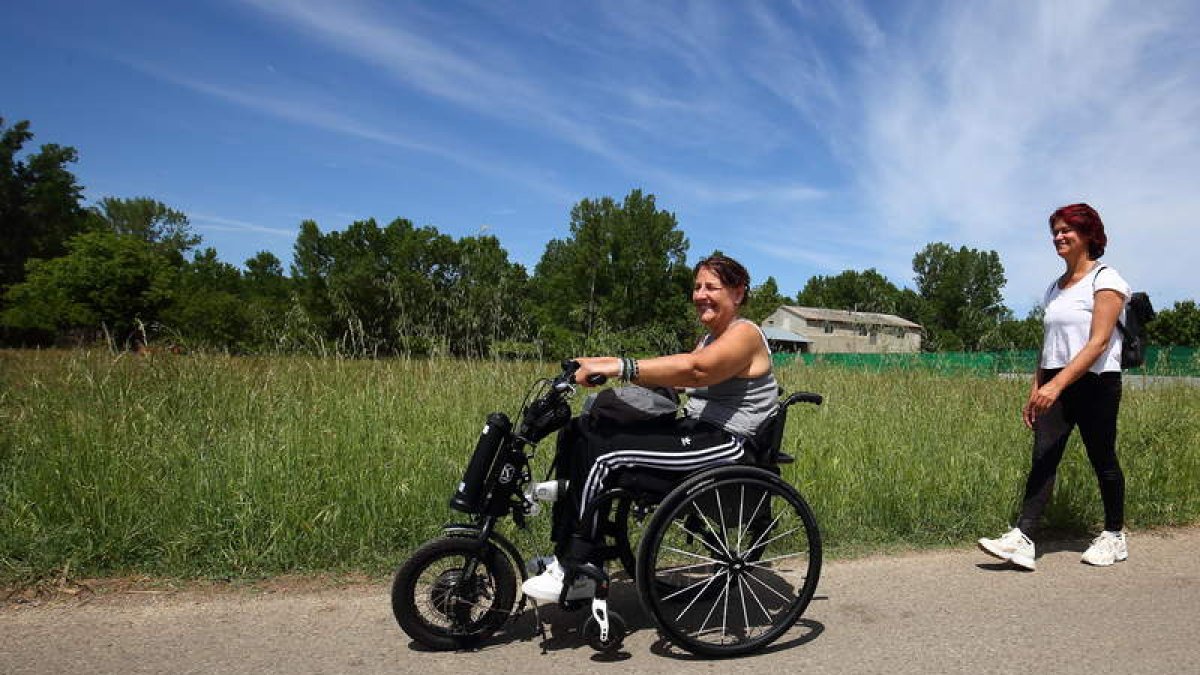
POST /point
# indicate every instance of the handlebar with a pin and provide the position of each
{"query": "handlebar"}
(570, 366)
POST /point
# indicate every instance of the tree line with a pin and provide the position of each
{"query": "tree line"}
(131, 271)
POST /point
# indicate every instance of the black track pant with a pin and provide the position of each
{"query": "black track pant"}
(589, 454)
(1091, 403)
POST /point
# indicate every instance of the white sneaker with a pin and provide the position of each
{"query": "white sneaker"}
(1108, 548)
(1012, 546)
(547, 586)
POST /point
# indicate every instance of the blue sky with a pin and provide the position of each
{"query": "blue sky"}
(804, 137)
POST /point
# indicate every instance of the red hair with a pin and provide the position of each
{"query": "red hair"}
(1085, 221)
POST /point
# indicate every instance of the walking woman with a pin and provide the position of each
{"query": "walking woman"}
(1077, 383)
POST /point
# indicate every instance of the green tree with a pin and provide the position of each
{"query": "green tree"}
(268, 295)
(377, 286)
(1013, 334)
(368, 292)
(149, 220)
(763, 300)
(407, 289)
(960, 290)
(620, 281)
(208, 307)
(488, 297)
(106, 282)
(311, 262)
(910, 305)
(867, 291)
(1178, 326)
(40, 202)
(264, 277)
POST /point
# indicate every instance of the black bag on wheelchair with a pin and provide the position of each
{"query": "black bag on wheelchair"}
(631, 405)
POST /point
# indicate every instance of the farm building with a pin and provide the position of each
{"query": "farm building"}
(835, 331)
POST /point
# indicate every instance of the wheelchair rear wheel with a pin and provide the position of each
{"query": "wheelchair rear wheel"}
(454, 592)
(729, 561)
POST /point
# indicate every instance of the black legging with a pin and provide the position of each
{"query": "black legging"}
(1091, 403)
(589, 453)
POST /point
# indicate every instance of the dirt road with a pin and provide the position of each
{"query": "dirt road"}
(930, 612)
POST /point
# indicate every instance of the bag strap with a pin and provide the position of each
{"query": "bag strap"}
(1121, 326)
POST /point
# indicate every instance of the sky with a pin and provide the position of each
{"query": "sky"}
(803, 138)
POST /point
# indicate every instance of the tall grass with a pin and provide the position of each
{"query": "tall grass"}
(917, 458)
(231, 467)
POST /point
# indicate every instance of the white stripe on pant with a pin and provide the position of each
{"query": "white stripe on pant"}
(727, 452)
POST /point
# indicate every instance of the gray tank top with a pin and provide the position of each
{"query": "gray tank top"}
(738, 405)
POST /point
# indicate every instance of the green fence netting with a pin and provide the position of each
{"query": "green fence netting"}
(1170, 361)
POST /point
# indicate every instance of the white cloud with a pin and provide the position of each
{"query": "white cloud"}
(320, 112)
(845, 135)
(596, 109)
(997, 113)
(794, 247)
(217, 223)
(488, 81)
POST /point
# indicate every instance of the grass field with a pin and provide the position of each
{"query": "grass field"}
(221, 467)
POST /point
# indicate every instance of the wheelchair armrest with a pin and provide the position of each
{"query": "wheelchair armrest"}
(802, 397)
(782, 457)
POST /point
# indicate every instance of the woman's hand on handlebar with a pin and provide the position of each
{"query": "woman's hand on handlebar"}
(596, 370)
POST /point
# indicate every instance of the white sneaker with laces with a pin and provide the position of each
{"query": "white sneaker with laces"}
(547, 586)
(1012, 546)
(1108, 548)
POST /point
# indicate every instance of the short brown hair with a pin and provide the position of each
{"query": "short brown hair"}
(728, 270)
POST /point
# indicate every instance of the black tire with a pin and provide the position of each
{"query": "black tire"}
(616, 633)
(453, 592)
(717, 579)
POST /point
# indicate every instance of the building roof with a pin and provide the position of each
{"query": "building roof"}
(844, 316)
(780, 335)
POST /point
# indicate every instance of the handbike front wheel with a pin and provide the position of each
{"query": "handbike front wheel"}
(729, 561)
(454, 592)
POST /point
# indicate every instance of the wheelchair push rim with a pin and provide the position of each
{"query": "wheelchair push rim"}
(729, 562)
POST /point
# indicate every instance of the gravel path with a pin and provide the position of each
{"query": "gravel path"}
(951, 611)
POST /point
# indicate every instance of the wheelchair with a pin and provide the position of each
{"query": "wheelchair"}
(725, 560)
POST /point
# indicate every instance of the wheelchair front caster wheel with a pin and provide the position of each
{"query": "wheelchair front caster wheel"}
(616, 633)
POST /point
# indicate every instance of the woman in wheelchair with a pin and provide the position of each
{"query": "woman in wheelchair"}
(732, 391)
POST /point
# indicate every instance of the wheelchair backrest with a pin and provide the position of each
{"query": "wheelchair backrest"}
(768, 442)
(765, 443)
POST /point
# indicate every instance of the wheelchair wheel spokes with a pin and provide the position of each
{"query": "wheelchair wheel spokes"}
(453, 595)
(453, 592)
(728, 567)
(704, 563)
(693, 591)
(754, 551)
(713, 538)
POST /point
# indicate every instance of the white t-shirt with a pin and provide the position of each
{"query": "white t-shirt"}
(1068, 320)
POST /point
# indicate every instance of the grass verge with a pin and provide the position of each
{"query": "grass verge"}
(232, 468)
